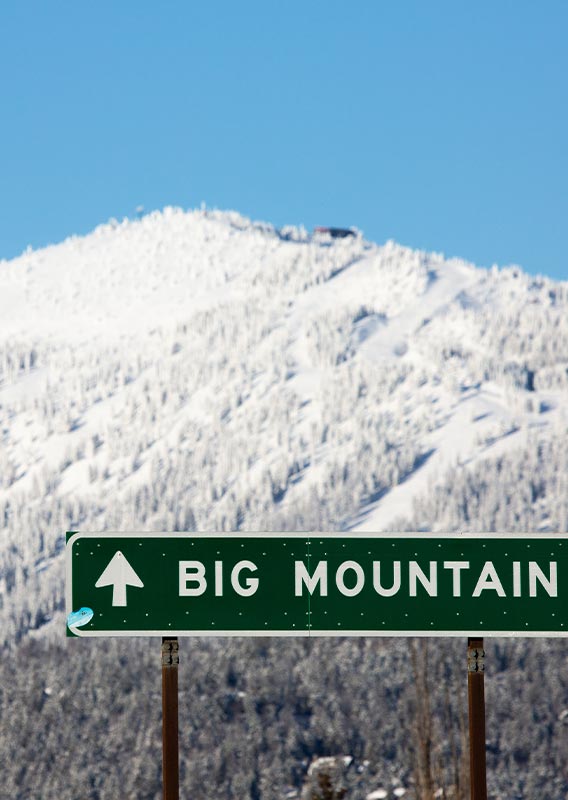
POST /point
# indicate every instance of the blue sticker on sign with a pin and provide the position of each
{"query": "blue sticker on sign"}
(79, 618)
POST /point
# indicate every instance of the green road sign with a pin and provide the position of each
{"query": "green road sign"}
(317, 584)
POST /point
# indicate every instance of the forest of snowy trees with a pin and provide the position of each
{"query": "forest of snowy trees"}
(220, 375)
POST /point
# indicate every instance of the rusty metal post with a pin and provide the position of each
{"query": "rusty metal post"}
(170, 754)
(476, 698)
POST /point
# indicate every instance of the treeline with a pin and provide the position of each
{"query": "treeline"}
(83, 718)
(524, 490)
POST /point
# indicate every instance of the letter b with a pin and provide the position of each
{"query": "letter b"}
(193, 571)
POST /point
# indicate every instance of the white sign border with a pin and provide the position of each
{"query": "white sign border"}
(309, 633)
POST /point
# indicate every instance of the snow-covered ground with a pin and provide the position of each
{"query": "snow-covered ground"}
(479, 425)
(196, 370)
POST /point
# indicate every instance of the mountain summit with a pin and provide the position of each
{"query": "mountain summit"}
(199, 371)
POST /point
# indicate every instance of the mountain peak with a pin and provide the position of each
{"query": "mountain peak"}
(199, 370)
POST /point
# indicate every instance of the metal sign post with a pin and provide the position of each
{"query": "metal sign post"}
(170, 750)
(476, 703)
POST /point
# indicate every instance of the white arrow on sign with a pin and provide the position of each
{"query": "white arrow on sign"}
(118, 574)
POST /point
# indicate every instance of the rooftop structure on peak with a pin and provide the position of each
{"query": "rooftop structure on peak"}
(335, 233)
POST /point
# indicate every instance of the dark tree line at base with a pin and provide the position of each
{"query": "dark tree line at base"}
(255, 714)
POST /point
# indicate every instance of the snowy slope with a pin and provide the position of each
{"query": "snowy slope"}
(196, 370)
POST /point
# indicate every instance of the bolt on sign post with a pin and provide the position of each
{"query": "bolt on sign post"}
(321, 584)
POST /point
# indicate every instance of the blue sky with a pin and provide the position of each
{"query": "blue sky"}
(441, 125)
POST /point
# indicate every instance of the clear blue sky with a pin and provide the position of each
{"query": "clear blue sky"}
(441, 125)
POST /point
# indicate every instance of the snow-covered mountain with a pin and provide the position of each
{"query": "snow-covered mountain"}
(199, 371)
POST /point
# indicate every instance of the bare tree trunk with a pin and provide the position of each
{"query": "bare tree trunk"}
(464, 745)
(419, 658)
(454, 752)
